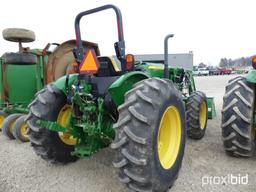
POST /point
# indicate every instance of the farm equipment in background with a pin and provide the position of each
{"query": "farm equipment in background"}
(225, 71)
(238, 115)
(24, 73)
(214, 70)
(137, 108)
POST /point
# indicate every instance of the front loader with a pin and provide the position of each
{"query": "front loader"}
(142, 110)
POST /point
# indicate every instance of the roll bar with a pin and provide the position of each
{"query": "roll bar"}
(119, 46)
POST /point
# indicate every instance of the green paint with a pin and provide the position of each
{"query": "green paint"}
(251, 76)
(21, 82)
(53, 126)
(211, 108)
(118, 89)
(1, 82)
(17, 109)
(94, 129)
(192, 86)
(157, 70)
(61, 82)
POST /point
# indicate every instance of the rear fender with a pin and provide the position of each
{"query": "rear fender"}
(123, 84)
(61, 83)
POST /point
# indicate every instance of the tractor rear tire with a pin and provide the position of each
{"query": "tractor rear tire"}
(197, 115)
(3, 115)
(19, 35)
(20, 128)
(47, 144)
(8, 125)
(238, 131)
(139, 157)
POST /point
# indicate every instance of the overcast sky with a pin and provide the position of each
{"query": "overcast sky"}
(212, 29)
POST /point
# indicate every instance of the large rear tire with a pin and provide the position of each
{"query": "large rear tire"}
(150, 136)
(47, 105)
(238, 132)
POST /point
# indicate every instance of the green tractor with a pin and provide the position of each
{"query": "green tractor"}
(142, 110)
(238, 115)
(24, 73)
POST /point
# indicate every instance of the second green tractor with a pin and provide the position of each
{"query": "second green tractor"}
(142, 110)
(24, 73)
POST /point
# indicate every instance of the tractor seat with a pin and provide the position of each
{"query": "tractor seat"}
(108, 67)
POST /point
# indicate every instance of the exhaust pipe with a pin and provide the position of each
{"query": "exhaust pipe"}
(166, 56)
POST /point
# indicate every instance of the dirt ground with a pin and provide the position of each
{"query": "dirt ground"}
(205, 165)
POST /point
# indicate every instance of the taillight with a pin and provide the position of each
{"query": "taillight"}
(254, 62)
(129, 62)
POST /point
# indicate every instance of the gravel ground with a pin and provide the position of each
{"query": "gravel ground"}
(205, 165)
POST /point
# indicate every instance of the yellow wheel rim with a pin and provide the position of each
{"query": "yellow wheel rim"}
(23, 130)
(1, 121)
(169, 137)
(62, 119)
(203, 115)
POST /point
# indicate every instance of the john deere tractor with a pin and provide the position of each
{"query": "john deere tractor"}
(142, 110)
(238, 115)
(25, 72)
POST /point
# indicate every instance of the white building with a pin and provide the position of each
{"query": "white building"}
(181, 60)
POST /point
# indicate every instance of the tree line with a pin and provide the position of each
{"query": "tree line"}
(231, 63)
(240, 62)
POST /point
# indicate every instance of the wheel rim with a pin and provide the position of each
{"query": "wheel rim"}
(23, 131)
(203, 115)
(63, 119)
(1, 121)
(169, 137)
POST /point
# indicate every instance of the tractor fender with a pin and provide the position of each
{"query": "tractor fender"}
(61, 83)
(123, 84)
(251, 76)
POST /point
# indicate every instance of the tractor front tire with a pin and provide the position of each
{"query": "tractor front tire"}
(150, 136)
(20, 129)
(196, 115)
(47, 144)
(8, 124)
(238, 132)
